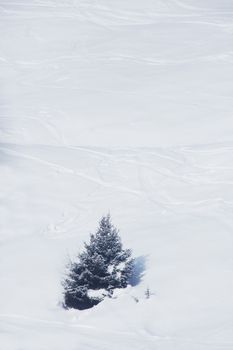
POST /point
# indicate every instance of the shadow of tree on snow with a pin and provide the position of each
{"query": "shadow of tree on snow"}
(138, 270)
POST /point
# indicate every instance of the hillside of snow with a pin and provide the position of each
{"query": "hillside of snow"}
(120, 106)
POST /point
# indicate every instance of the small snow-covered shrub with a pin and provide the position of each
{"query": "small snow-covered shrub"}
(147, 293)
(103, 266)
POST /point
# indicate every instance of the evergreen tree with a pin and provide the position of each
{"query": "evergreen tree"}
(103, 266)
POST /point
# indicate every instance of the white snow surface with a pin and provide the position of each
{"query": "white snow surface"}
(122, 106)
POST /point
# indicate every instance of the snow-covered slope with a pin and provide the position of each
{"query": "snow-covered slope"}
(121, 106)
(107, 73)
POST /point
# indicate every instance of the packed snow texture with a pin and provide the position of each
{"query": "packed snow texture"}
(122, 106)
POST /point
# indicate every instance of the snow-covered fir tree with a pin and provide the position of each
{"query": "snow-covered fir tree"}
(103, 266)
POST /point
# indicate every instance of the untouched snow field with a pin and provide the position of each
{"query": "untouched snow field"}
(120, 106)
